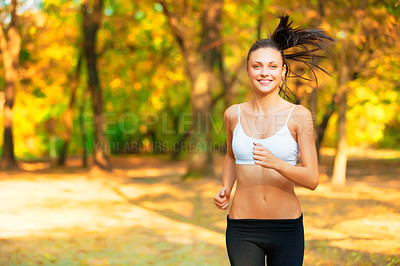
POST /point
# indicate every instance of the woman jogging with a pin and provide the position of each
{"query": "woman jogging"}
(264, 138)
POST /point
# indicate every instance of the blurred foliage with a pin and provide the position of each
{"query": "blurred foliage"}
(147, 93)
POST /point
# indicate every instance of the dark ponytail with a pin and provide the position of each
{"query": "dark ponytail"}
(284, 37)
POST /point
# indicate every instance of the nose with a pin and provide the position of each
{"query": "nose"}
(264, 71)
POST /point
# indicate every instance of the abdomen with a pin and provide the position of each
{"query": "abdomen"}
(263, 194)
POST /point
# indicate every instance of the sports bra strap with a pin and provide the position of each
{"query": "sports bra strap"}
(239, 113)
(287, 119)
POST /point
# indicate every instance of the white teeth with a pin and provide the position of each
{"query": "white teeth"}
(264, 82)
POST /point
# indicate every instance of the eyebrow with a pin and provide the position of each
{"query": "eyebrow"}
(262, 62)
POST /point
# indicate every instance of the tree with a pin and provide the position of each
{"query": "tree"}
(365, 30)
(69, 115)
(92, 17)
(10, 49)
(200, 59)
(368, 32)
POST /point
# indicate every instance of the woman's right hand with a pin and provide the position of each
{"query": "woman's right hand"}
(221, 199)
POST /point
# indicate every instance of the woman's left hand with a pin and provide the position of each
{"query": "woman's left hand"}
(263, 157)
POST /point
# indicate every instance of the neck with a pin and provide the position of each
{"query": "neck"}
(263, 104)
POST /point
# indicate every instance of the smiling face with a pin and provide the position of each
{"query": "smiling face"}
(265, 70)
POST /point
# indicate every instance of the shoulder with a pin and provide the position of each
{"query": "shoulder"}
(231, 112)
(302, 117)
(231, 117)
(302, 111)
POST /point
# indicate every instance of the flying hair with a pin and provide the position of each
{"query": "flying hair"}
(308, 40)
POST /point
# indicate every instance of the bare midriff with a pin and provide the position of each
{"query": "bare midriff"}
(263, 193)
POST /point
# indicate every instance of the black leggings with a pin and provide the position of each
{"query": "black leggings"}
(248, 241)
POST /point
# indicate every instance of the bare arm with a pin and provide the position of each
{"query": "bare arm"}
(221, 199)
(305, 175)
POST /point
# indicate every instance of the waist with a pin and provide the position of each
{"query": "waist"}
(268, 205)
(266, 223)
(263, 196)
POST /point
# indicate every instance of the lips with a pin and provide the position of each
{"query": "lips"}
(264, 82)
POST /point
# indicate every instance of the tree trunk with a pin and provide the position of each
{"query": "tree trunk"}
(339, 167)
(340, 162)
(200, 61)
(69, 115)
(10, 50)
(82, 128)
(92, 16)
(200, 162)
(324, 123)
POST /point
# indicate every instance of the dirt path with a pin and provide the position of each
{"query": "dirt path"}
(69, 207)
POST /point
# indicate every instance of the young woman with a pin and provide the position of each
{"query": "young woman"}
(264, 138)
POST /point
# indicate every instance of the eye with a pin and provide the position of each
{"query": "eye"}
(256, 67)
(273, 66)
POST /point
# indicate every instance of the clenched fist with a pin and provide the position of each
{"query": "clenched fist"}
(221, 199)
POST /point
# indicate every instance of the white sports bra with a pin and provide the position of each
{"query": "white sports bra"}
(281, 144)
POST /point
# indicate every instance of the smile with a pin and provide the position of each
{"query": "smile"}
(264, 82)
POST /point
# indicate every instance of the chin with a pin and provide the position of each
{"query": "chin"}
(267, 90)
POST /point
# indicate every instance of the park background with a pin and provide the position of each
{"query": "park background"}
(111, 119)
